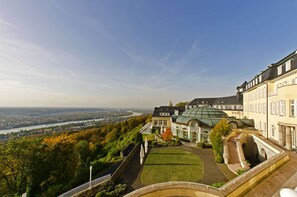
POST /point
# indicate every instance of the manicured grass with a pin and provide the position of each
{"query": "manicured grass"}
(171, 164)
(150, 137)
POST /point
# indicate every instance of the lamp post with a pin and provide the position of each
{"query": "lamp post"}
(90, 177)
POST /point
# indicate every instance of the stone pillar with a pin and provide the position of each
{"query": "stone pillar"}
(288, 139)
(281, 135)
(199, 134)
(189, 134)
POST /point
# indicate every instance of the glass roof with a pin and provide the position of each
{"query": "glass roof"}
(205, 113)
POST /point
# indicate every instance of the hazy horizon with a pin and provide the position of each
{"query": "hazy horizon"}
(136, 54)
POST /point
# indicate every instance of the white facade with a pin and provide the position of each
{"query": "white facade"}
(273, 103)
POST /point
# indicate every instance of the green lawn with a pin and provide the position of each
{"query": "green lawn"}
(170, 164)
(150, 137)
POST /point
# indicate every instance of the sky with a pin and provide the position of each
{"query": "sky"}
(136, 53)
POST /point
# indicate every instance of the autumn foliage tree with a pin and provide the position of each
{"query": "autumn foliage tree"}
(167, 135)
(221, 129)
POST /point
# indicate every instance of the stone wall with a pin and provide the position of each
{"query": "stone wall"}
(125, 162)
(176, 188)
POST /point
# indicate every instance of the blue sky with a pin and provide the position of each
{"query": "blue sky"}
(71, 53)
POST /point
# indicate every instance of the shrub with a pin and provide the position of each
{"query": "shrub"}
(154, 144)
(219, 159)
(206, 145)
(101, 194)
(218, 184)
(239, 172)
(221, 129)
(184, 140)
(200, 144)
(167, 135)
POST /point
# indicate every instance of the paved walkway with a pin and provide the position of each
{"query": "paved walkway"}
(284, 177)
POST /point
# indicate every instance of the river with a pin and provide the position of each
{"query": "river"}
(5, 131)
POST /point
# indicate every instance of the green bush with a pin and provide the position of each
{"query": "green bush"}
(239, 172)
(185, 140)
(219, 159)
(207, 145)
(154, 144)
(218, 184)
(221, 129)
(101, 194)
(200, 144)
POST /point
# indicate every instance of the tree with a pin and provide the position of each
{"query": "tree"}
(62, 158)
(181, 104)
(221, 129)
(22, 164)
(14, 165)
(167, 135)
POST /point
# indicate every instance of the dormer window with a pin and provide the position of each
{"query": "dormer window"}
(279, 70)
(260, 78)
(288, 65)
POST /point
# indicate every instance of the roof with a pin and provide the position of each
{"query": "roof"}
(205, 112)
(204, 115)
(209, 117)
(228, 100)
(166, 111)
(271, 71)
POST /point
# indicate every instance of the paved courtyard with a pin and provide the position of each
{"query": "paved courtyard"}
(284, 177)
(212, 173)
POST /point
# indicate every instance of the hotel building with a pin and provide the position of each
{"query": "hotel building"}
(231, 105)
(270, 98)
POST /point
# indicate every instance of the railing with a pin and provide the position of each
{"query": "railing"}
(145, 127)
(86, 186)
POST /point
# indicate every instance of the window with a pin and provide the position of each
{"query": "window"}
(264, 92)
(272, 108)
(288, 65)
(294, 138)
(282, 108)
(260, 108)
(264, 108)
(273, 130)
(279, 70)
(276, 108)
(292, 107)
(260, 78)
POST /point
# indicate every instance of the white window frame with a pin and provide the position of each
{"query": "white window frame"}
(279, 70)
(272, 130)
(282, 107)
(292, 105)
(288, 65)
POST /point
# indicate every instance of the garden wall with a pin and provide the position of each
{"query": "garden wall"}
(125, 163)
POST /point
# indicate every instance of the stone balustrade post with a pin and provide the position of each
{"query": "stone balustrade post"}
(288, 138)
